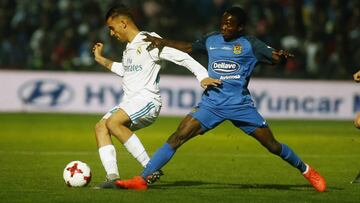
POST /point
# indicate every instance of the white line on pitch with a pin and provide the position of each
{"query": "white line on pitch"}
(199, 154)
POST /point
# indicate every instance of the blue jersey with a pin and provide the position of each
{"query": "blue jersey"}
(232, 62)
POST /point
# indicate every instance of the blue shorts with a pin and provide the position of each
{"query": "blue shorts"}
(246, 117)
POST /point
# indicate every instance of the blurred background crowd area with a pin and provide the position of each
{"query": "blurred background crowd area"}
(324, 35)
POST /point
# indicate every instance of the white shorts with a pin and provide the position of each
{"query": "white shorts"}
(142, 111)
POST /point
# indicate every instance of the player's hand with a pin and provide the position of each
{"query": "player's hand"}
(280, 56)
(284, 53)
(97, 49)
(155, 42)
(357, 76)
(210, 82)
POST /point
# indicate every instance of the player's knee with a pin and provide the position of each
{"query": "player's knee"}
(188, 128)
(111, 123)
(178, 138)
(274, 147)
(175, 140)
(100, 127)
(114, 123)
(357, 122)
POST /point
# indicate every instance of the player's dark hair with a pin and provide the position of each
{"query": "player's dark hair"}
(118, 10)
(239, 13)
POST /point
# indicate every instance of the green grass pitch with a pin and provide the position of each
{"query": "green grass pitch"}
(224, 165)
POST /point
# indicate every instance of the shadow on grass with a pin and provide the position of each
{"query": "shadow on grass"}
(212, 185)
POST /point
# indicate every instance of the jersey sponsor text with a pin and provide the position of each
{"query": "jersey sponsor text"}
(230, 77)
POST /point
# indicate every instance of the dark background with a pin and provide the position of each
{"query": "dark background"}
(59, 34)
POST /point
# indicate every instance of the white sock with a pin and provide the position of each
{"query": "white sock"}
(307, 169)
(137, 150)
(108, 159)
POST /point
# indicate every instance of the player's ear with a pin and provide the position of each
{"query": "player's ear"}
(123, 24)
(240, 28)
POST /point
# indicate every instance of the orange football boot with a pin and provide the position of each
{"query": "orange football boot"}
(136, 183)
(316, 180)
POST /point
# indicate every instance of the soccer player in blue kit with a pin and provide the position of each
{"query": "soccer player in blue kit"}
(232, 58)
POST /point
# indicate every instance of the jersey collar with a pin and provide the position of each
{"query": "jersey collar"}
(138, 38)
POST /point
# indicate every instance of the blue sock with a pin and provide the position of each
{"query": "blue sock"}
(289, 155)
(158, 160)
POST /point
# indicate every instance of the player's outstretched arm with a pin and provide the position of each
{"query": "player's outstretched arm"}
(357, 76)
(161, 43)
(280, 57)
(97, 50)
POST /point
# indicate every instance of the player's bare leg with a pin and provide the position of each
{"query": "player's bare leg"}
(266, 138)
(107, 154)
(102, 134)
(119, 126)
(188, 128)
(107, 150)
(357, 120)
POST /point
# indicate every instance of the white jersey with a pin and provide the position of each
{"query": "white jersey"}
(140, 68)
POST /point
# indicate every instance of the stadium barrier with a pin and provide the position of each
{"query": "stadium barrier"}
(30, 91)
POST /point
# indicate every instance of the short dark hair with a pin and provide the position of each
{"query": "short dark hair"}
(118, 10)
(239, 13)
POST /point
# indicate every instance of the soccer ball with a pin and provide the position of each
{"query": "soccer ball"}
(77, 174)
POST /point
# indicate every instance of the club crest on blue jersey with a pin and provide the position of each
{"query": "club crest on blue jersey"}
(237, 49)
(138, 50)
(225, 66)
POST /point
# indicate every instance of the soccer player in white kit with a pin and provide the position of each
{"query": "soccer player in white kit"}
(141, 102)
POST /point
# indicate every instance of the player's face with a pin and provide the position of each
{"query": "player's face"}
(117, 27)
(230, 28)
